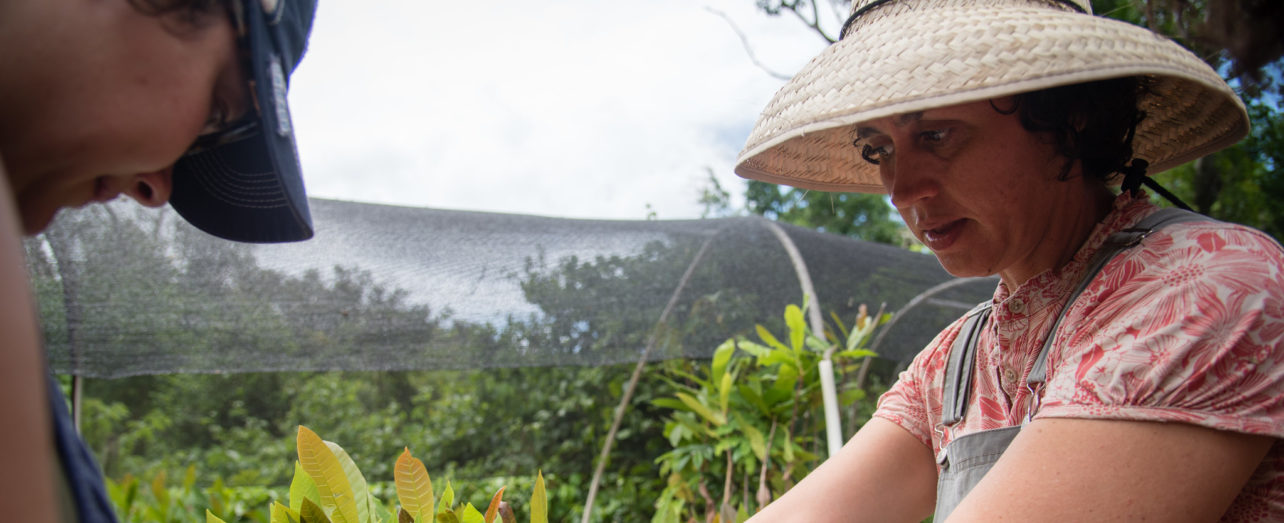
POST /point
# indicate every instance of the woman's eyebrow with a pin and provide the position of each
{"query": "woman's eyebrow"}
(900, 120)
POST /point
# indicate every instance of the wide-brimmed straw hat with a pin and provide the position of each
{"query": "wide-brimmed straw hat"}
(901, 56)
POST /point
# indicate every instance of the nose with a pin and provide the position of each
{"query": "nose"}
(910, 180)
(151, 189)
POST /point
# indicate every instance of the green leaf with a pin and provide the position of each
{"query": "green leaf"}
(751, 395)
(721, 356)
(783, 388)
(724, 392)
(447, 516)
(301, 488)
(767, 338)
(670, 403)
(797, 326)
(414, 486)
(211, 518)
(471, 515)
(447, 502)
(754, 349)
(816, 344)
(789, 447)
(539, 501)
(283, 514)
(160, 492)
(713, 417)
(333, 486)
(360, 492)
(312, 513)
(189, 478)
(756, 441)
(858, 353)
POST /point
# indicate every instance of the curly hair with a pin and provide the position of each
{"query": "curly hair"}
(1092, 122)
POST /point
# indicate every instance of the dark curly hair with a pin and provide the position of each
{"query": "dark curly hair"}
(1090, 122)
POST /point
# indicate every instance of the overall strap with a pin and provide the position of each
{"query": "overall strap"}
(958, 372)
(1114, 244)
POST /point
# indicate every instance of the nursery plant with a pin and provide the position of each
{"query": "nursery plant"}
(747, 425)
(329, 488)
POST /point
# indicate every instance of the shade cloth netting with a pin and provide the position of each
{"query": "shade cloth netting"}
(126, 291)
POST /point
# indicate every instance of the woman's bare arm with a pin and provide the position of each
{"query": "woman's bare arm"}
(883, 474)
(26, 479)
(1102, 470)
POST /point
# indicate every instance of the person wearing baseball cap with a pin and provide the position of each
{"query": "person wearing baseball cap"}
(179, 101)
(1130, 365)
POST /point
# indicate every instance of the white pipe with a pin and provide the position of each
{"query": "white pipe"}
(833, 425)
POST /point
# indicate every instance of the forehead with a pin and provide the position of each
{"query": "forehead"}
(969, 112)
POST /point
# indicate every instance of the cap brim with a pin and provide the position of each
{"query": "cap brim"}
(250, 190)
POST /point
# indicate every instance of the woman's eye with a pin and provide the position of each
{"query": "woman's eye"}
(875, 155)
(935, 136)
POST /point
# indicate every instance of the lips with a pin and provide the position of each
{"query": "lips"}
(941, 237)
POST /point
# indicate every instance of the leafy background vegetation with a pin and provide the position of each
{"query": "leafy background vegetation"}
(173, 445)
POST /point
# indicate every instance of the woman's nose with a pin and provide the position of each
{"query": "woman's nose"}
(911, 180)
(151, 189)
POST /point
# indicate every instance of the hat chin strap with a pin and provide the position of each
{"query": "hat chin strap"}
(1135, 176)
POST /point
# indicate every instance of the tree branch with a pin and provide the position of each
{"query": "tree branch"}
(744, 42)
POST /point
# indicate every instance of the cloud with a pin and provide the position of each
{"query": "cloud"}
(573, 108)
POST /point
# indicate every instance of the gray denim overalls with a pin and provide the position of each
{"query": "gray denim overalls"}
(967, 459)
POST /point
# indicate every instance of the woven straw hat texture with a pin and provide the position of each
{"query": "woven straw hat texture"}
(913, 55)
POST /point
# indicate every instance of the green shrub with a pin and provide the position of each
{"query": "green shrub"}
(749, 419)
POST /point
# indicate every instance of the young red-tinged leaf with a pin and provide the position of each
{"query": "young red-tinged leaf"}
(414, 486)
(324, 467)
(403, 516)
(506, 513)
(493, 509)
(539, 501)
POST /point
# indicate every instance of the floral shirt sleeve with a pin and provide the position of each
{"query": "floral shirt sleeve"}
(1188, 329)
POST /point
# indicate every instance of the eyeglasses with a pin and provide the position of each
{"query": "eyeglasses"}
(233, 132)
(248, 125)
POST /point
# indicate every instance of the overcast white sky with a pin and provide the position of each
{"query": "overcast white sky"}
(566, 108)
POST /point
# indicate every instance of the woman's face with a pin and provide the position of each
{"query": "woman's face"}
(980, 191)
(115, 100)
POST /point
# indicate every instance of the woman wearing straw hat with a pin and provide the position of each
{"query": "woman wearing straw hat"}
(1131, 363)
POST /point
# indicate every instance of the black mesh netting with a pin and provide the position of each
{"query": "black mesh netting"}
(125, 291)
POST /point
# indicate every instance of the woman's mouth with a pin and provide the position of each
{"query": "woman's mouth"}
(943, 236)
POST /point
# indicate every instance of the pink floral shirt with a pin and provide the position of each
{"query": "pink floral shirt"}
(1186, 327)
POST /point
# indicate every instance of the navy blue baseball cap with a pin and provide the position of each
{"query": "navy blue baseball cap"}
(248, 186)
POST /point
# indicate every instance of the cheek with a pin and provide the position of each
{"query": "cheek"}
(164, 124)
